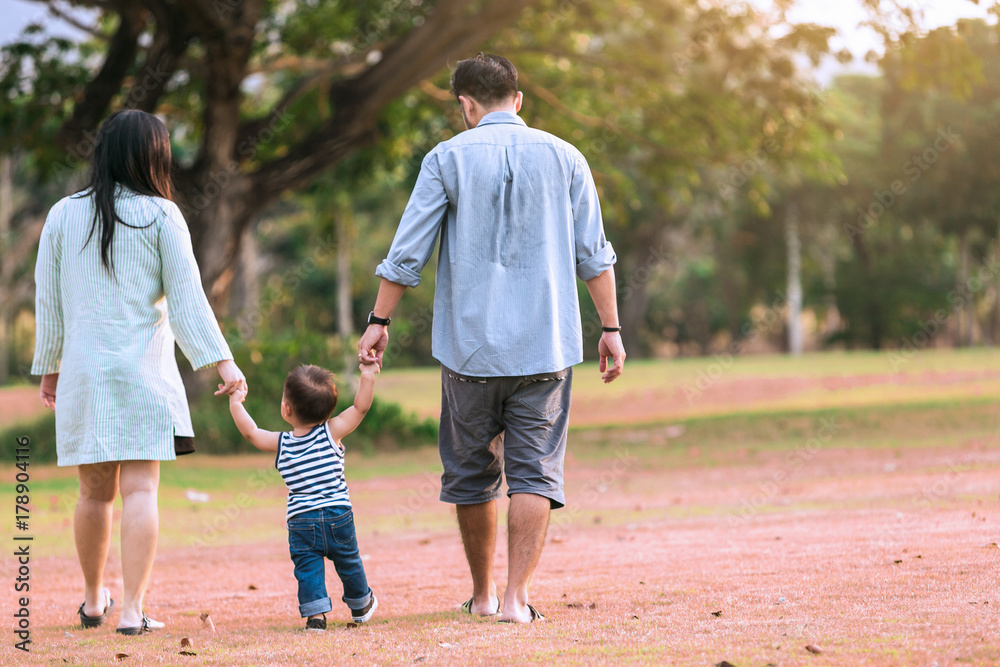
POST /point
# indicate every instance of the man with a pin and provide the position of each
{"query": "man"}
(519, 221)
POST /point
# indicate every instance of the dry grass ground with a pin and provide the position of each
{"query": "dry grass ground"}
(870, 531)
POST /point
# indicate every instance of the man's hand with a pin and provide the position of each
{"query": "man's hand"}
(48, 390)
(611, 346)
(372, 345)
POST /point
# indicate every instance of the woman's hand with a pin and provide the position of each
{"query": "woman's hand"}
(232, 377)
(48, 390)
(239, 394)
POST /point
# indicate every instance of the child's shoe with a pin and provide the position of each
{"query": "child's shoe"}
(316, 623)
(365, 615)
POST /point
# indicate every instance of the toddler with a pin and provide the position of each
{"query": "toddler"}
(310, 459)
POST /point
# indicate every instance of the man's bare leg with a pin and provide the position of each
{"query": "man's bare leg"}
(527, 523)
(478, 525)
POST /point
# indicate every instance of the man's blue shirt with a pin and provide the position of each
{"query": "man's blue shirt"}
(519, 221)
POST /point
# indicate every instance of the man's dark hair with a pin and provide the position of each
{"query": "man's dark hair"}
(486, 77)
(310, 391)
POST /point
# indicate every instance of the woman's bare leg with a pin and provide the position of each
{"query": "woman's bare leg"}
(92, 529)
(139, 482)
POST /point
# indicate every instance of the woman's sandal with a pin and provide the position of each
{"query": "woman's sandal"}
(96, 621)
(148, 625)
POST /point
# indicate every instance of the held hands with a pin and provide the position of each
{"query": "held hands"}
(239, 394)
(611, 346)
(372, 345)
(48, 390)
(232, 378)
(369, 368)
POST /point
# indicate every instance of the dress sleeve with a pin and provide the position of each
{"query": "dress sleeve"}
(594, 254)
(191, 316)
(48, 299)
(418, 230)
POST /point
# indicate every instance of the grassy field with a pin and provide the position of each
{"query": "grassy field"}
(854, 511)
(658, 391)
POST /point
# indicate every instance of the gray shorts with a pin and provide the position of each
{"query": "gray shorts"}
(496, 426)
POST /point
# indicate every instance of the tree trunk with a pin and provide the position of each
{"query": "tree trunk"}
(794, 247)
(345, 324)
(994, 326)
(633, 315)
(873, 307)
(828, 266)
(963, 327)
(6, 307)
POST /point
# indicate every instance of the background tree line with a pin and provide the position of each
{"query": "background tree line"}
(864, 213)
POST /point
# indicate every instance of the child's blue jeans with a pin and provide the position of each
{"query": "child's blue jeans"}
(327, 532)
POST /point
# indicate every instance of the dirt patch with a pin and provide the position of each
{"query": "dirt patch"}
(882, 557)
(19, 404)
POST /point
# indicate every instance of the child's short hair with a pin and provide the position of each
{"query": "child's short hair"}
(310, 392)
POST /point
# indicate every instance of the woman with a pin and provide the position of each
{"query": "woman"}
(113, 261)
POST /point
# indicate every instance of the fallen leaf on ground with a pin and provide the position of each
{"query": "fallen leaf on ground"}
(724, 663)
(188, 653)
(120, 656)
(351, 625)
(812, 648)
(251, 587)
(582, 605)
(635, 617)
(207, 622)
(420, 658)
(897, 562)
(717, 613)
(186, 642)
(424, 541)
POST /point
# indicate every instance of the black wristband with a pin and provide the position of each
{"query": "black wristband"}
(384, 321)
(611, 329)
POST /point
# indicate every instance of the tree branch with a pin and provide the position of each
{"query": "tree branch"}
(73, 21)
(97, 95)
(162, 60)
(358, 101)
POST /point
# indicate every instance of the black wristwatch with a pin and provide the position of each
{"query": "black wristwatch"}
(611, 329)
(384, 321)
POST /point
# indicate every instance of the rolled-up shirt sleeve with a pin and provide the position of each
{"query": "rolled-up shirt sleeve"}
(191, 317)
(594, 253)
(48, 300)
(418, 229)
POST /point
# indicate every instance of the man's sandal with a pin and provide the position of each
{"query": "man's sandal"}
(148, 625)
(467, 608)
(535, 616)
(96, 621)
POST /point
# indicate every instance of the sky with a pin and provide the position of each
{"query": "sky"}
(845, 15)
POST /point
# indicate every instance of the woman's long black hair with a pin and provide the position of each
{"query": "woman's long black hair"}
(132, 149)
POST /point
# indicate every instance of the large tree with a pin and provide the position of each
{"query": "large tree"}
(328, 69)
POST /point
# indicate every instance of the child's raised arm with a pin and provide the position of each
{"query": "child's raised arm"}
(349, 419)
(258, 437)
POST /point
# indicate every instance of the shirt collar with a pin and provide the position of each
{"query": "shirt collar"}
(495, 117)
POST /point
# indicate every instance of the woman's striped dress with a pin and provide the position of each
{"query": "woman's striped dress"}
(109, 336)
